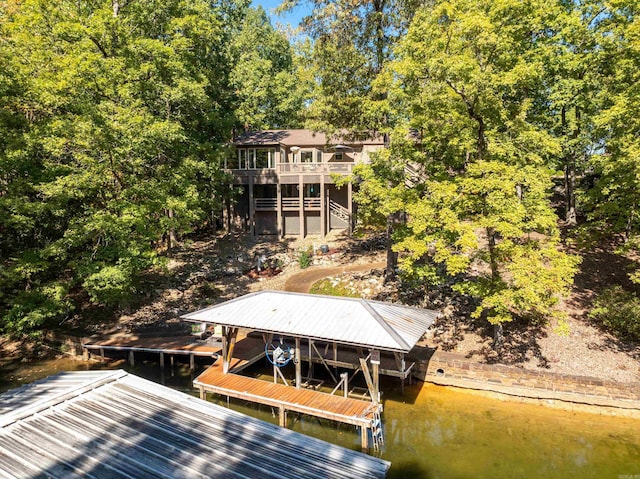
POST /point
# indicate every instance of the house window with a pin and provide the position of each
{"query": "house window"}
(231, 163)
(262, 158)
(306, 156)
(258, 158)
(338, 156)
(242, 159)
(318, 156)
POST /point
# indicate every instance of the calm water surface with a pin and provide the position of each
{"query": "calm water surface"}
(435, 433)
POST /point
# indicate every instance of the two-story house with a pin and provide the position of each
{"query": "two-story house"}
(286, 181)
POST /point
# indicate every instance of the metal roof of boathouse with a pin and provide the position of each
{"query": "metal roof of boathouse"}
(114, 424)
(352, 321)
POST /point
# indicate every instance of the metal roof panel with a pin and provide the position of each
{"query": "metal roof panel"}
(344, 320)
(113, 424)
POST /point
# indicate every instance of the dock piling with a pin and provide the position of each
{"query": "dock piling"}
(282, 416)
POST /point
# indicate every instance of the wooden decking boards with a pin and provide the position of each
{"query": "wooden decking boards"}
(169, 345)
(306, 401)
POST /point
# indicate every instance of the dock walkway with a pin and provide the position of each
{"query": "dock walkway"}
(185, 345)
(286, 398)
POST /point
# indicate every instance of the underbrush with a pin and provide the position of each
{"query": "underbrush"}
(330, 287)
(619, 311)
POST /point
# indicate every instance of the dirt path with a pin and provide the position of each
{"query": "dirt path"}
(302, 282)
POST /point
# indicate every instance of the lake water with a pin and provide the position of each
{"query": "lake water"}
(433, 432)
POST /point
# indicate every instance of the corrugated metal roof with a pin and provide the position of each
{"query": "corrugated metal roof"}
(116, 425)
(299, 138)
(351, 321)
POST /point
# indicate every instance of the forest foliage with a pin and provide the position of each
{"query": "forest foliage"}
(114, 119)
(114, 116)
(494, 110)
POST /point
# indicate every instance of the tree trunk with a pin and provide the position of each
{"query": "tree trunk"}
(392, 256)
(569, 191)
(378, 6)
(570, 168)
(171, 236)
(493, 260)
(498, 337)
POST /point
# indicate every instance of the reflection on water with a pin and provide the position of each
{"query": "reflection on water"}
(436, 433)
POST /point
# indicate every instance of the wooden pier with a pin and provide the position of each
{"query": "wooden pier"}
(174, 345)
(363, 414)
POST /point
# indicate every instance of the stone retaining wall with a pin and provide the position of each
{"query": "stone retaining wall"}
(455, 370)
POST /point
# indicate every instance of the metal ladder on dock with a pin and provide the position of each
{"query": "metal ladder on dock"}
(376, 431)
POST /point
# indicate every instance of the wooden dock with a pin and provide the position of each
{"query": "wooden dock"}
(185, 345)
(286, 398)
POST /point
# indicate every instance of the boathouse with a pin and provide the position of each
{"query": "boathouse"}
(111, 424)
(361, 336)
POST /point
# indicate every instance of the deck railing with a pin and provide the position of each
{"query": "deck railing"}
(343, 168)
(290, 202)
(287, 203)
(266, 203)
(311, 203)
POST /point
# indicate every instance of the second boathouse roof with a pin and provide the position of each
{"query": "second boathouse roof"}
(111, 424)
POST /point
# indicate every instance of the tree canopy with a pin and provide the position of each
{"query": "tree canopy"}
(114, 119)
(505, 120)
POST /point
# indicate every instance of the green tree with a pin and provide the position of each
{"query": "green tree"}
(615, 198)
(269, 91)
(464, 85)
(353, 40)
(122, 107)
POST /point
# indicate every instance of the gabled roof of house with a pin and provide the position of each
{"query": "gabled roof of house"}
(299, 138)
(357, 322)
(113, 424)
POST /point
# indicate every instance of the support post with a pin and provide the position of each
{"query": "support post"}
(323, 218)
(364, 432)
(203, 395)
(298, 364)
(311, 347)
(192, 362)
(375, 369)
(350, 206)
(367, 378)
(161, 360)
(282, 420)
(132, 360)
(85, 354)
(229, 336)
(252, 209)
(301, 200)
(345, 383)
(279, 211)
(376, 382)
